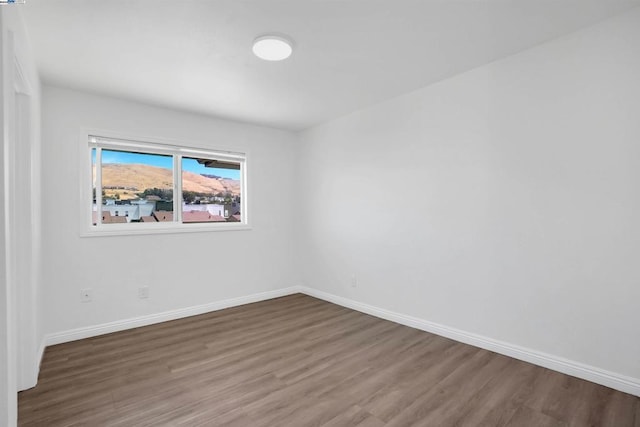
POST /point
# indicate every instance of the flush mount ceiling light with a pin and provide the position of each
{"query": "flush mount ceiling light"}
(272, 47)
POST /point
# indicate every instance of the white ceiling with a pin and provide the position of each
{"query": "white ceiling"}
(196, 55)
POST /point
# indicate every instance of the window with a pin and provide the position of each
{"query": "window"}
(145, 187)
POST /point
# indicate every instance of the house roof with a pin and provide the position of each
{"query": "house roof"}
(234, 218)
(201, 216)
(118, 219)
(163, 216)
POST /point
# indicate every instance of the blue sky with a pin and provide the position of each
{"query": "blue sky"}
(190, 165)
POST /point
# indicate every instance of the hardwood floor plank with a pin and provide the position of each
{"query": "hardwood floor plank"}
(613, 411)
(451, 411)
(300, 361)
(354, 416)
(526, 416)
(431, 407)
(497, 401)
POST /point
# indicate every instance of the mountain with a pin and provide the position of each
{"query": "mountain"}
(203, 184)
(128, 179)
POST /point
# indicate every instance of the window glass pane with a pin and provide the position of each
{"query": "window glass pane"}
(136, 187)
(210, 191)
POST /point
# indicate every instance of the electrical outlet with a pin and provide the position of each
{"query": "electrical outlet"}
(354, 281)
(86, 295)
(143, 292)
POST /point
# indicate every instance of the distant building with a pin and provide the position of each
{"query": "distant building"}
(164, 205)
(232, 209)
(131, 212)
(214, 209)
(144, 210)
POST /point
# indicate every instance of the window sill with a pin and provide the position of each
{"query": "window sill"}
(128, 230)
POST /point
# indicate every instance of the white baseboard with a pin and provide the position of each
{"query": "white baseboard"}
(590, 373)
(135, 322)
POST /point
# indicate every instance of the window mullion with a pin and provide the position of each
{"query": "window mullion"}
(98, 186)
(177, 188)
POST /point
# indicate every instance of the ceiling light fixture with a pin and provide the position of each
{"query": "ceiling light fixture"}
(273, 47)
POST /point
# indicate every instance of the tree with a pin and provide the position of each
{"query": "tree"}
(189, 196)
(164, 194)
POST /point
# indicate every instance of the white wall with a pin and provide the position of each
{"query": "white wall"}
(8, 414)
(182, 270)
(516, 186)
(20, 265)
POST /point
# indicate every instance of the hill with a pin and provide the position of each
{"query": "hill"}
(127, 180)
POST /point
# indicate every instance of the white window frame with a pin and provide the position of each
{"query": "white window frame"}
(105, 140)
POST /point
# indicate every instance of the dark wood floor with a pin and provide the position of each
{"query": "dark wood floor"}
(299, 361)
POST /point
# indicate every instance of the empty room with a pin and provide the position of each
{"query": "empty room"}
(320, 213)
